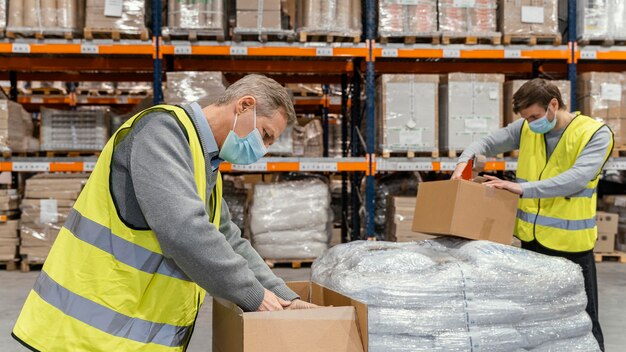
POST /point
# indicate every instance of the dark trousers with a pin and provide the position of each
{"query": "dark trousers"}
(587, 262)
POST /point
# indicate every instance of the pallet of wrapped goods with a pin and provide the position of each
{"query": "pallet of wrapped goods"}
(263, 20)
(408, 22)
(195, 20)
(408, 114)
(470, 107)
(95, 89)
(115, 20)
(9, 242)
(45, 18)
(187, 87)
(510, 87)
(529, 22)
(601, 22)
(80, 130)
(16, 129)
(3, 17)
(388, 186)
(329, 20)
(468, 22)
(47, 203)
(137, 89)
(308, 140)
(400, 220)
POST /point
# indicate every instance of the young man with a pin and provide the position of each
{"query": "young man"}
(150, 232)
(560, 159)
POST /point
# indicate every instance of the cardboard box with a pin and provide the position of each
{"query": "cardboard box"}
(605, 243)
(271, 5)
(607, 222)
(618, 126)
(399, 229)
(599, 94)
(249, 19)
(9, 229)
(342, 327)
(528, 17)
(465, 209)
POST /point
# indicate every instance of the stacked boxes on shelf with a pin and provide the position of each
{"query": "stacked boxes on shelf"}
(408, 113)
(308, 138)
(603, 21)
(601, 95)
(45, 17)
(261, 17)
(16, 128)
(205, 17)
(9, 225)
(340, 18)
(407, 19)
(470, 107)
(84, 130)
(468, 19)
(529, 19)
(47, 202)
(114, 19)
(510, 87)
(614, 204)
(188, 86)
(607, 224)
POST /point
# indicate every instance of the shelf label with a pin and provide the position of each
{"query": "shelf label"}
(510, 165)
(390, 52)
(318, 166)
(89, 165)
(238, 50)
(448, 165)
(323, 51)
(414, 166)
(20, 48)
(186, 50)
(30, 166)
(335, 100)
(512, 54)
(88, 49)
(36, 100)
(252, 167)
(615, 165)
(588, 55)
(452, 53)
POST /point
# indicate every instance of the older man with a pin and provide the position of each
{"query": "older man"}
(151, 232)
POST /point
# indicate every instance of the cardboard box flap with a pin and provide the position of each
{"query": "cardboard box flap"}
(230, 328)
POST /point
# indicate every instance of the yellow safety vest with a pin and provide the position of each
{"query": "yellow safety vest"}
(108, 287)
(566, 224)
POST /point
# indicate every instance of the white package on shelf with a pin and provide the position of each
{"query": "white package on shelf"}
(45, 16)
(105, 15)
(73, 130)
(192, 14)
(291, 219)
(601, 20)
(187, 87)
(467, 17)
(451, 294)
(284, 144)
(397, 18)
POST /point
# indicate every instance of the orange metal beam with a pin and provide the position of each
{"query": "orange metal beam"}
(6, 166)
(75, 63)
(331, 67)
(66, 166)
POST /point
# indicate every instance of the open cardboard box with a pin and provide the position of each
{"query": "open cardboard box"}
(342, 327)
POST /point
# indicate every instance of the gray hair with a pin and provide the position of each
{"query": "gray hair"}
(269, 94)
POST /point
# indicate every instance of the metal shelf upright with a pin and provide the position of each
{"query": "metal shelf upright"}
(370, 111)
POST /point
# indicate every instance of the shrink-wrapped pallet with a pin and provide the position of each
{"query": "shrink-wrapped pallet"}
(329, 17)
(601, 20)
(308, 139)
(3, 16)
(262, 17)
(407, 18)
(525, 18)
(510, 87)
(80, 130)
(204, 16)
(600, 94)
(16, 127)
(45, 17)
(467, 18)
(126, 17)
(186, 87)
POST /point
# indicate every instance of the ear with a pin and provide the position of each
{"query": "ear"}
(244, 103)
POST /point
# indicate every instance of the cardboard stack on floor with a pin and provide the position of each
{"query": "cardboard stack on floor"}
(16, 129)
(398, 19)
(9, 226)
(601, 95)
(186, 87)
(202, 16)
(614, 208)
(109, 17)
(601, 21)
(408, 113)
(330, 17)
(528, 18)
(47, 202)
(261, 17)
(510, 87)
(53, 17)
(470, 107)
(468, 18)
(81, 130)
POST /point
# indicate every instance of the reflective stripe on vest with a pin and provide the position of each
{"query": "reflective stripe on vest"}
(108, 287)
(564, 223)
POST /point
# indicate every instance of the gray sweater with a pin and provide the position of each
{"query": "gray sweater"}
(586, 168)
(153, 187)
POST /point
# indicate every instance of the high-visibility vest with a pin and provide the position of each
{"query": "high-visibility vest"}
(566, 224)
(106, 286)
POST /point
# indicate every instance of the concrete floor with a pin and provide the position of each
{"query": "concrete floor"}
(14, 287)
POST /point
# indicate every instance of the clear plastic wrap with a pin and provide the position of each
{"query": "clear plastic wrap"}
(291, 219)
(47, 202)
(187, 87)
(308, 139)
(45, 16)
(450, 294)
(510, 87)
(330, 17)
(16, 127)
(599, 94)
(397, 18)
(529, 17)
(130, 18)
(601, 20)
(470, 107)
(95, 88)
(3, 14)
(133, 88)
(73, 130)
(467, 17)
(236, 198)
(408, 112)
(284, 144)
(203, 15)
(262, 17)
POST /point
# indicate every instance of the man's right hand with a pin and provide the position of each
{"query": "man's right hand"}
(458, 171)
(271, 302)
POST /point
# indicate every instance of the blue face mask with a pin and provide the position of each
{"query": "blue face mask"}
(542, 125)
(243, 151)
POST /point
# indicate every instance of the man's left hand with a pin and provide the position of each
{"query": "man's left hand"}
(300, 304)
(501, 184)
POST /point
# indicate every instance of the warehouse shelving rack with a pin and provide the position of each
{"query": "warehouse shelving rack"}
(353, 65)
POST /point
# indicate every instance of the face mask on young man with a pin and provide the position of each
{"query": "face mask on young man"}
(543, 125)
(246, 150)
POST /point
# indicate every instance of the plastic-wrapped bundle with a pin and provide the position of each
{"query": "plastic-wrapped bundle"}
(529, 17)
(599, 94)
(308, 139)
(330, 17)
(16, 128)
(73, 130)
(451, 294)
(188, 86)
(396, 184)
(291, 220)
(3, 14)
(129, 18)
(45, 16)
(191, 14)
(601, 20)
(284, 144)
(467, 17)
(396, 18)
(236, 199)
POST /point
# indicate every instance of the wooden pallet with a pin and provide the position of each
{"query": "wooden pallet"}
(71, 153)
(115, 34)
(47, 91)
(307, 37)
(619, 257)
(410, 154)
(67, 34)
(533, 39)
(27, 264)
(601, 41)
(618, 150)
(513, 154)
(293, 263)
(433, 38)
(264, 37)
(9, 264)
(95, 92)
(493, 39)
(193, 35)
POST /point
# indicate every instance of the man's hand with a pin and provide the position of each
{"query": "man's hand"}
(300, 304)
(458, 171)
(271, 302)
(501, 184)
